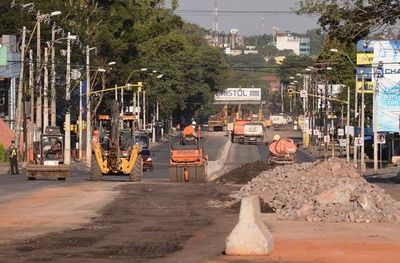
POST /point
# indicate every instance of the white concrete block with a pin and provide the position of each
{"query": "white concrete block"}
(250, 236)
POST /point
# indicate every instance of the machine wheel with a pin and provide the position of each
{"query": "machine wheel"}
(95, 173)
(137, 172)
(30, 178)
(61, 178)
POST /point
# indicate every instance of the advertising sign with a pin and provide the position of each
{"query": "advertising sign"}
(238, 95)
(387, 54)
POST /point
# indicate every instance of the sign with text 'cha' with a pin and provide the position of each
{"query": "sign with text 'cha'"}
(239, 94)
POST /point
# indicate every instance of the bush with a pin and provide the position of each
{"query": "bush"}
(3, 154)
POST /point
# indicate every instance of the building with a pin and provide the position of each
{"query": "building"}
(9, 74)
(299, 45)
(273, 82)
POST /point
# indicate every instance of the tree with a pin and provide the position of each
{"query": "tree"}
(349, 20)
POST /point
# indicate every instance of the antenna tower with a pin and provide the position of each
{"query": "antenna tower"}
(215, 26)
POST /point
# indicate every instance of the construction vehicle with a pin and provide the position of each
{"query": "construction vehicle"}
(282, 150)
(238, 130)
(187, 159)
(114, 148)
(253, 133)
(218, 121)
(49, 156)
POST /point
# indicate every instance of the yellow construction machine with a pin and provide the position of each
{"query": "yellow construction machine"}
(187, 160)
(114, 148)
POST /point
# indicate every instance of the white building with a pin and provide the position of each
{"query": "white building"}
(299, 45)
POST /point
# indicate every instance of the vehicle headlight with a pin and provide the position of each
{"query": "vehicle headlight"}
(148, 159)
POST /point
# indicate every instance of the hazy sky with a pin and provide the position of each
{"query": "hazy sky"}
(248, 24)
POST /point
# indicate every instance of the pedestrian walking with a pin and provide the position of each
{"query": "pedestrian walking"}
(12, 152)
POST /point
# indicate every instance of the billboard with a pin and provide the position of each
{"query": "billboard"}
(239, 95)
(387, 56)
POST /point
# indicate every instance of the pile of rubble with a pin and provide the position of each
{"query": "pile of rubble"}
(325, 191)
(244, 173)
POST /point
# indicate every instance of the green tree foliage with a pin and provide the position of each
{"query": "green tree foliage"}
(135, 34)
(291, 66)
(349, 20)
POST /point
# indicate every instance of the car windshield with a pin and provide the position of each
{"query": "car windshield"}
(145, 152)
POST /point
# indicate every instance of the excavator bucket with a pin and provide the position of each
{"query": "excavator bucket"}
(60, 171)
(193, 174)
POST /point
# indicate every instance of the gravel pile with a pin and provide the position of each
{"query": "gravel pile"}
(326, 191)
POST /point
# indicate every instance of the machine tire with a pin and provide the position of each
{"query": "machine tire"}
(137, 172)
(61, 179)
(31, 178)
(95, 173)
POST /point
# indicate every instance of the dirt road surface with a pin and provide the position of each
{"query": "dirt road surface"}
(146, 222)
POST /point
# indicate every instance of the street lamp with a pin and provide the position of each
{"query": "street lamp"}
(67, 131)
(334, 50)
(88, 109)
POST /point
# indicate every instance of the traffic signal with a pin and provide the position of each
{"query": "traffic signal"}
(140, 86)
(290, 92)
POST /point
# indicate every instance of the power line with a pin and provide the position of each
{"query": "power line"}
(234, 12)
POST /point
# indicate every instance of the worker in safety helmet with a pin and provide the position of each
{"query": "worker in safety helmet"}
(276, 138)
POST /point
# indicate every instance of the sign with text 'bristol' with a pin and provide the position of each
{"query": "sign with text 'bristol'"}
(239, 95)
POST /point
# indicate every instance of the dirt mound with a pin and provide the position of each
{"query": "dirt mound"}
(244, 173)
(327, 191)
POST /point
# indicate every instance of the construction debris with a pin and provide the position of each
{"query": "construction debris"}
(244, 173)
(324, 191)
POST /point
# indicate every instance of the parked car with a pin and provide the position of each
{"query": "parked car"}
(147, 158)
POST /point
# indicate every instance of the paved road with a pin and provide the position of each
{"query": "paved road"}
(12, 186)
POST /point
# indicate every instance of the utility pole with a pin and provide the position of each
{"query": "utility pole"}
(282, 109)
(20, 91)
(32, 126)
(38, 80)
(355, 118)
(80, 122)
(53, 78)
(375, 124)
(67, 132)
(45, 92)
(144, 110)
(362, 156)
(88, 112)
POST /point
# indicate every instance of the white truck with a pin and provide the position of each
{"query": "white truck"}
(279, 120)
(253, 133)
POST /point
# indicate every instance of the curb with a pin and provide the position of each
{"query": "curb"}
(216, 168)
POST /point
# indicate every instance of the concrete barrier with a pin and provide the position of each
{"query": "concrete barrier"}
(215, 168)
(250, 237)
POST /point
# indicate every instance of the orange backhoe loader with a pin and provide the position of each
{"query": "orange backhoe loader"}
(187, 158)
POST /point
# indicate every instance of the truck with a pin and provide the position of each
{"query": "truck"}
(216, 123)
(238, 130)
(253, 133)
(279, 120)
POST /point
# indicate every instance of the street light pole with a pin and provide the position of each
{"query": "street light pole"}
(88, 111)
(362, 156)
(45, 92)
(53, 78)
(67, 131)
(38, 79)
(20, 91)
